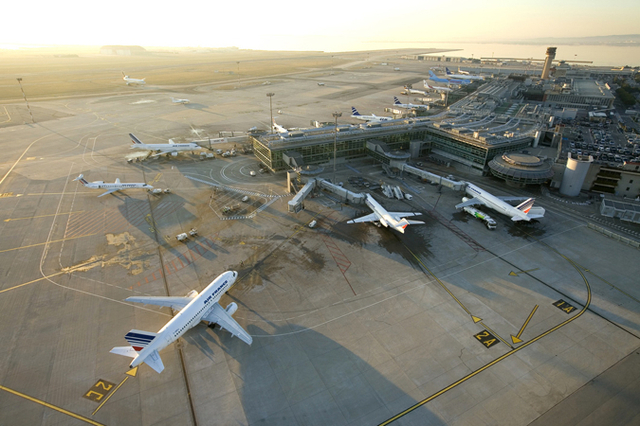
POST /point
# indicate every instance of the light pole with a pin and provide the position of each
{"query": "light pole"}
(335, 144)
(270, 95)
(25, 98)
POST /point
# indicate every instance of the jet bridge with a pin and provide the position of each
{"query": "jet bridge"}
(433, 178)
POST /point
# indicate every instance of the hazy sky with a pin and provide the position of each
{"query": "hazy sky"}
(322, 25)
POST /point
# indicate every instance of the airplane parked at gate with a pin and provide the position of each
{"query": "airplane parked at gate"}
(179, 101)
(434, 77)
(398, 104)
(170, 148)
(395, 220)
(436, 88)
(374, 118)
(524, 211)
(415, 92)
(111, 187)
(278, 128)
(135, 81)
(205, 306)
(466, 75)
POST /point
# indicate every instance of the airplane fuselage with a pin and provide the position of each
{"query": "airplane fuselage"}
(495, 203)
(118, 186)
(189, 316)
(168, 147)
(384, 218)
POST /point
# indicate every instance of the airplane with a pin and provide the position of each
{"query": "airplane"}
(398, 104)
(466, 75)
(163, 148)
(437, 79)
(136, 81)
(524, 211)
(179, 101)
(111, 187)
(278, 128)
(372, 117)
(436, 88)
(415, 92)
(195, 307)
(395, 220)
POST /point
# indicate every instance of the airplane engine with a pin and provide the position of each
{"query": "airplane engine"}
(231, 308)
(192, 294)
(384, 223)
(464, 199)
(174, 154)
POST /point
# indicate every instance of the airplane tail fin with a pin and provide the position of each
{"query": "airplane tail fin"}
(135, 140)
(81, 179)
(139, 339)
(354, 111)
(447, 71)
(431, 74)
(123, 75)
(526, 205)
(117, 180)
(396, 101)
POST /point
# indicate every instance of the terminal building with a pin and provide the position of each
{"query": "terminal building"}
(464, 140)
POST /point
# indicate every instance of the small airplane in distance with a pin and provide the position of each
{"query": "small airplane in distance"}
(415, 92)
(434, 77)
(436, 88)
(195, 307)
(179, 101)
(278, 128)
(463, 76)
(374, 118)
(111, 187)
(134, 81)
(395, 220)
(398, 104)
(524, 211)
(163, 148)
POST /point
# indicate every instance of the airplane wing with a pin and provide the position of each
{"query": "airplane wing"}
(368, 218)
(400, 215)
(513, 199)
(219, 316)
(471, 202)
(111, 191)
(176, 303)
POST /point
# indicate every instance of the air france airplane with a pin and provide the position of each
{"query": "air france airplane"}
(398, 104)
(145, 346)
(163, 148)
(395, 220)
(434, 77)
(524, 211)
(436, 88)
(372, 117)
(466, 75)
(111, 187)
(135, 81)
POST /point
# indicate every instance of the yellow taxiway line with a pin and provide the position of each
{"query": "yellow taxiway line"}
(46, 242)
(53, 407)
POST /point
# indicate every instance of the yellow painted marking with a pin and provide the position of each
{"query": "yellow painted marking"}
(475, 319)
(516, 338)
(131, 373)
(31, 282)
(53, 407)
(99, 390)
(515, 274)
(8, 115)
(47, 242)
(44, 215)
(502, 357)
(156, 179)
(496, 334)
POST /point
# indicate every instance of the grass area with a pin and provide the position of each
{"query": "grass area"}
(79, 71)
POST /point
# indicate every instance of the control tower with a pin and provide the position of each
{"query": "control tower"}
(551, 55)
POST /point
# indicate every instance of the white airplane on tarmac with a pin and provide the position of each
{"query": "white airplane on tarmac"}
(398, 104)
(170, 148)
(179, 101)
(466, 75)
(278, 128)
(135, 81)
(372, 117)
(395, 220)
(436, 88)
(414, 91)
(205, 306)
(524, 211)
(111, 187)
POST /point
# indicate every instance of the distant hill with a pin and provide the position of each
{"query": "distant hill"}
(610, 40)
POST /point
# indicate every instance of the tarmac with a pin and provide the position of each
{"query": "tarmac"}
(447, 324)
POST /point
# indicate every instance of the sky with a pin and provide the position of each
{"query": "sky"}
(329, 25)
